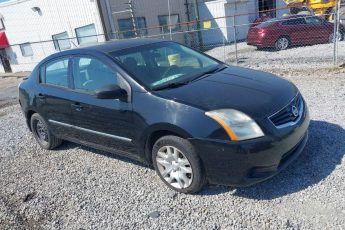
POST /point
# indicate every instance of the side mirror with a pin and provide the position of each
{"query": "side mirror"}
(111, 92)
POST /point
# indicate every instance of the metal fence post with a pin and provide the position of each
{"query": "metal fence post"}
(169, 20)
(235, 39)
(336, 33)
(224, 55)
(338, 30)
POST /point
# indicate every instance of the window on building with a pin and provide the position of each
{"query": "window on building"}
(90, 74)
(56, 73)
(61, 41)
(174, 23)
(127, 28)
(267, 7)
(26, 50)
(86, 34)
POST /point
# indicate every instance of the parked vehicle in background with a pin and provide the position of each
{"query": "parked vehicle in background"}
(342, 14)
(281, 33)
(192, 117)
(342, 20)
(323, 8)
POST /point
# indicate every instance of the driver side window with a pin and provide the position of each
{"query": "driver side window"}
(90, 74)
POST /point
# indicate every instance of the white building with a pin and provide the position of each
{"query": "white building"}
(28, 21)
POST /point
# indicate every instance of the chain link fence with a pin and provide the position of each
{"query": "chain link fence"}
(234, 33)
(268, 39)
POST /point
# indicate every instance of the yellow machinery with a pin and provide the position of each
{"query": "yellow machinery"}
(324, 8)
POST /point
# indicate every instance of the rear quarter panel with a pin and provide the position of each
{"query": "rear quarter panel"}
(26, 94)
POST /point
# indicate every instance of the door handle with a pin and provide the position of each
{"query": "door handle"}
(77, 106)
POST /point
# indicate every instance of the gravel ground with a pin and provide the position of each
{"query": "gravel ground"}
(76, 187)
(295, 58)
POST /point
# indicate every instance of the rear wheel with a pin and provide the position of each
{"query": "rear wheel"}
(282, 43)
(42, 134)
(178, 165)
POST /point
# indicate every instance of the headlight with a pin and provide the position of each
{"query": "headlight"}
(237, 125)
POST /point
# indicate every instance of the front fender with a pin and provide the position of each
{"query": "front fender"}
(155, 114)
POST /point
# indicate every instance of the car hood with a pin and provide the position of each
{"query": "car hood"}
(255, 93)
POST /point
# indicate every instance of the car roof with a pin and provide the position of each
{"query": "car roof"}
(105, 47)
(116, 45)
(296, 16)
(288, 17)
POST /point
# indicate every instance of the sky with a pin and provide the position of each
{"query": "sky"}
(3, 1)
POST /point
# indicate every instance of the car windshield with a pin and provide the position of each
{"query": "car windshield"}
(164, 64)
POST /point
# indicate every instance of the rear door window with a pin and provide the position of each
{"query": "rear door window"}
(56, 73)
(294, 22)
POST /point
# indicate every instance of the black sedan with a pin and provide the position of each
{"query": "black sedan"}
(194, 118)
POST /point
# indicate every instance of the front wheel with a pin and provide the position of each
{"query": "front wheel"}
(282, 43)
(42, 134)
(178, 165)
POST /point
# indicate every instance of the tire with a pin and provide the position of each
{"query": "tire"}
(282, 43)
(183, 161)
(42, 133)
(341, 37)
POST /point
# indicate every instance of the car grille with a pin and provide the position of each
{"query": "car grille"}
(290, 114)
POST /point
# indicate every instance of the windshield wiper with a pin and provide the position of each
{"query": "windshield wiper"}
(170, 86)
(199, 76)
(205, 74)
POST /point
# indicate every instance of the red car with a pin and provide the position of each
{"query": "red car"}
(281, 33)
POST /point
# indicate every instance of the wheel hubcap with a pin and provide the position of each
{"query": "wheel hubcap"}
(42, 131)
(332, 37)
(174, 167)
(283, 43)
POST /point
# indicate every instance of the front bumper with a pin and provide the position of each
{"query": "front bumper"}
(249, 162)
